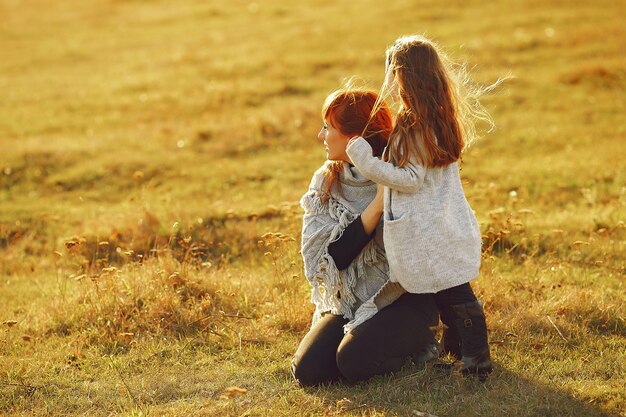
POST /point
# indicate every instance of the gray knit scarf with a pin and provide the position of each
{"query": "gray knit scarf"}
(333, 290)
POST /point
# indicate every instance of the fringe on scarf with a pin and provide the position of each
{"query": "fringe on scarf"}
(333, 289)
(312, 204)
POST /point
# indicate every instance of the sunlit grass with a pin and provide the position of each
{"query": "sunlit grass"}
(153, 155)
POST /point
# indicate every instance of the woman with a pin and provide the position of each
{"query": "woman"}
(345, 262)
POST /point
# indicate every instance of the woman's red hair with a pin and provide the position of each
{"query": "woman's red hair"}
(350, 111)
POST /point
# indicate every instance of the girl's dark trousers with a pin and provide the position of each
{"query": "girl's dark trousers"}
(459, 295)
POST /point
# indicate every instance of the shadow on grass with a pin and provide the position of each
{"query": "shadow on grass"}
(434, 392)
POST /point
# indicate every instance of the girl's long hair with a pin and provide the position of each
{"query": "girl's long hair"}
(439, 105)
(351, 111)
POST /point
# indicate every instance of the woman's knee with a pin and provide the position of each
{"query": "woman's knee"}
(308, 372)
(302, 372)
(356, 366)
(314, 361)
(352, 361)
(347, 361)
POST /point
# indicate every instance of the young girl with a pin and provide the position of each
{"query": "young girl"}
(431, 235)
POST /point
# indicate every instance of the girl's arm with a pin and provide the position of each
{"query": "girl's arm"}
(372, 213)
(408, 179)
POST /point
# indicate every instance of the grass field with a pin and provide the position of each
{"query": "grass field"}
(152, 157)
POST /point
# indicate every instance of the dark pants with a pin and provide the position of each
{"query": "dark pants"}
(380, 345)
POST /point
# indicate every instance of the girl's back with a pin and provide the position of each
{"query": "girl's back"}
(431, 235)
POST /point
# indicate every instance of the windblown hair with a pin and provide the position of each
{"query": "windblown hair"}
(351, 111)
(439, 105)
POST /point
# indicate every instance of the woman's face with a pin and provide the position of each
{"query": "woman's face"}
(335, 142)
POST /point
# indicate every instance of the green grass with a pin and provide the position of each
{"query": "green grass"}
(182, 133)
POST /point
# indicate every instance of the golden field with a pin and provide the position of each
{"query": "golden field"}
(152, 157)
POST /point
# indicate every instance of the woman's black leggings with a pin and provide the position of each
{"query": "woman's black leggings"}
(380, 345)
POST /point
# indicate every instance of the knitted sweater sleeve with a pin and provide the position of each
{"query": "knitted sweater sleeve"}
(408, 179)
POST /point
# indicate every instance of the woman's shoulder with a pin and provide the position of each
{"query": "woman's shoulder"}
(311, 201)
(318, 178)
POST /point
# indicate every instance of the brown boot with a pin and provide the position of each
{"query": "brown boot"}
(472, 329)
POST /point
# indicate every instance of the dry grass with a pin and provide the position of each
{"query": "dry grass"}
(152, 158)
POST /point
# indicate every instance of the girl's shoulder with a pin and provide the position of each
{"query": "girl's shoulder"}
(446, 176)
(452, 166)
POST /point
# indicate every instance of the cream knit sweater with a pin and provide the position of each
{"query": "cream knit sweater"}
(431, 235)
